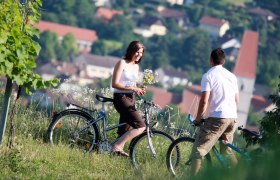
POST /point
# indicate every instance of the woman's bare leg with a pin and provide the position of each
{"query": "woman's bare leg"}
(127, 137)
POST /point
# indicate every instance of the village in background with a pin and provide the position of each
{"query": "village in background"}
(86, 69)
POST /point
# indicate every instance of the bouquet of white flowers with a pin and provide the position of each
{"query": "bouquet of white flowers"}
(148, 77)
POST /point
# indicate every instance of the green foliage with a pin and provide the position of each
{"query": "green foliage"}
(49, 42)
(106, 47)
(273, 5)
(17, 47)
(270, 124)
(70, 46)
(148, 96)
(196, 49)
(69, 12)
(177, 89)
(52, 49)
(32, 158)
(196, 11)
(253, 118)
(103, 83)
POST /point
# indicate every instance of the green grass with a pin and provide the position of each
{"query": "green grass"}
(33, 158)
(237, 1)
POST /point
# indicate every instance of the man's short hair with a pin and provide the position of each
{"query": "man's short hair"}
(218, 56)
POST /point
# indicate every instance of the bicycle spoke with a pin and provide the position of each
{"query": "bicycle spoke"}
(179, 162)
(142, 155)
(72, 129)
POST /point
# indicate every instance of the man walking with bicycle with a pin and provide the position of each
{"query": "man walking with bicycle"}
(220, 96)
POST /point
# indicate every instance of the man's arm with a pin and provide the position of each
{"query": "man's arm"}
(237, 98)
(202, 106)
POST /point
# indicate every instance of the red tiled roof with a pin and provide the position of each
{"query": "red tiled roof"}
(246, 63)
(106, 13)
(262, 12)
(212, 21)
(190, 100)
(68, 68)
(174, 73)
(160, 96)
(259, 103)
(172, 13)
(60, 29)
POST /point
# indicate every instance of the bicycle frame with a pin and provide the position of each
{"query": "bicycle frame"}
(220, 157)
(102, 117)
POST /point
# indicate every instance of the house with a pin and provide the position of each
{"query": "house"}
(158, 94)
(99, 3)
(153, 5)
(106, 14)
(95, 67)
(68, 69)
(177, 2)
(260, 104)
(84, 37)
(150, 26)
(170, 77)
(48, 70)
(188, 2)
(231, 48)
(215, 27)
(245, 71)
(190, 99)
(268, 15)
(179, 16)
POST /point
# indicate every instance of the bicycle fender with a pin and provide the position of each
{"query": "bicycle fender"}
(67, 111)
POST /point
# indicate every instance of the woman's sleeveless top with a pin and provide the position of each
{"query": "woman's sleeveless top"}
(128, 78)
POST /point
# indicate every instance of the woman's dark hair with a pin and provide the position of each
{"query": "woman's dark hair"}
(218, 56)
(132, 48)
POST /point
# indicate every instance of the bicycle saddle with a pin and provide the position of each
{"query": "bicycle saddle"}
(103, 99)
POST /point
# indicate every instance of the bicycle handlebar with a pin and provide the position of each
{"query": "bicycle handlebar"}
(191, 120)
(149, 103)
(250, 133)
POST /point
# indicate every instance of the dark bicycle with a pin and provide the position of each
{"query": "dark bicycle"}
(178, 155)
(80, 128)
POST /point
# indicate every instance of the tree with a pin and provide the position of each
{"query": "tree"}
(18, 50)
(270, 124)
(49, 42)
(121, 29)
(197, 47)
(70, 46)
(52, 49)
(83, 10)
(268, 70)
(273, 5)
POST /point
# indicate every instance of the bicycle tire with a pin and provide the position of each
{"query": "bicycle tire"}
(178, 157)
(141, 154)
(64, 126)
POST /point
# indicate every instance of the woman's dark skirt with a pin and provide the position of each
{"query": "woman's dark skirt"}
(125, 105)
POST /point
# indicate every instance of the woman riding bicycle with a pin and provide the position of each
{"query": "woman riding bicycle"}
(124, 80)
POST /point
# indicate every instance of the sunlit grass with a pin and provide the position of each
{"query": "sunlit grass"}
(33, 158)
(237, 1)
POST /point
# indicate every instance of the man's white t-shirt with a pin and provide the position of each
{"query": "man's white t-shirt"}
(223, 88)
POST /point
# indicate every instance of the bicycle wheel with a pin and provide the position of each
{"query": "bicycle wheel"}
(69, 128)
(141, 153)
(178, 157)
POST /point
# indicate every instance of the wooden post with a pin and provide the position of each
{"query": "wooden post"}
(5, 108)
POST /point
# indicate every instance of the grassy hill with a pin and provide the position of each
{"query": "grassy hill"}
(33, 158)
